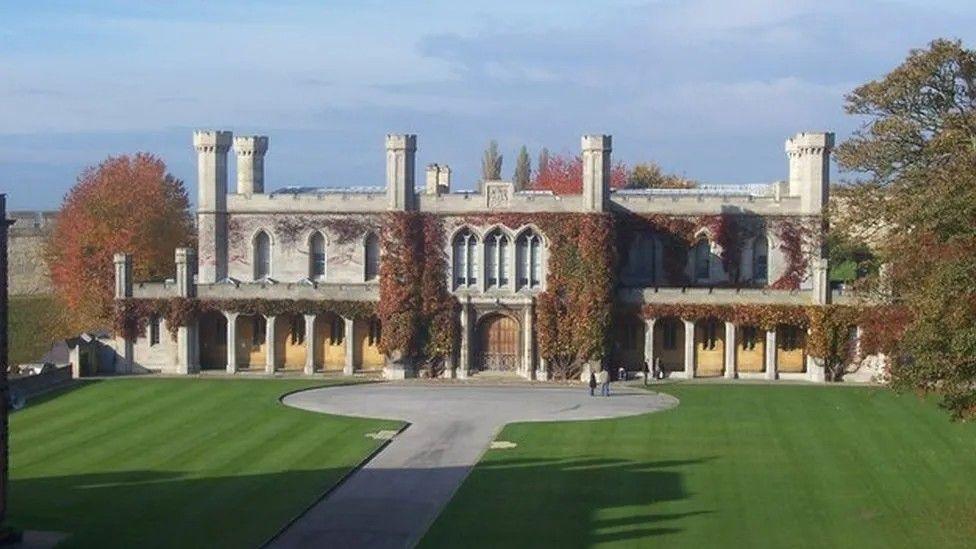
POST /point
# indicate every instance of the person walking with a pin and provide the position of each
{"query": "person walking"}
(647, 372)
(603, 378)
(592, 382)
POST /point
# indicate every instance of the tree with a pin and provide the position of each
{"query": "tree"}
(916, 157)
(564, 175)
(491, 163)
(523, 170)
(649, 175)
(543, 165)
(125, 204)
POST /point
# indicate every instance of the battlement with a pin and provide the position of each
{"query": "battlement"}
(596, 142)
(401, 141)
(809, 142)
(212, 140)
(251, 144)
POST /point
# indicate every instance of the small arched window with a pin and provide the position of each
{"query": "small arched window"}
(316, 256)
(760, 260)
(497, 264)
(528, 260)
(262, 256)
(703, 259)
(465, 260)
(372, 252)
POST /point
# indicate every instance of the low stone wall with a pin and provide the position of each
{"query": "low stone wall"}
(28, 386)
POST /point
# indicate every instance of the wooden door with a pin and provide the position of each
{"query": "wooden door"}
(498, 344)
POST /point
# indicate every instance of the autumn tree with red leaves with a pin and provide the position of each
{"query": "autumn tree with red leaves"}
(563, 174)
(125, 204)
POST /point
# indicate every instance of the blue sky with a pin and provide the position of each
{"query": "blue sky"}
(706, 88)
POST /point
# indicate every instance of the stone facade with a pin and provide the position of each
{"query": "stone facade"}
(300, 243)
(25, 248)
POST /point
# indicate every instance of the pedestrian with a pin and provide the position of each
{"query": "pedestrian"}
(647, 372)
(621, 374)
(592, 382)
(603, 378)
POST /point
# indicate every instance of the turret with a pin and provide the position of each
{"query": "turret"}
(401, 151)
(250, 151)
(438, 179)
(212, 147)
(123, 275)
(596, 171)
(809, 158)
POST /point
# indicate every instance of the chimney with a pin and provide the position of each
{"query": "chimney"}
(444, 179)
(431, 181)
(250, 163)
(596, 171)
(401, 151)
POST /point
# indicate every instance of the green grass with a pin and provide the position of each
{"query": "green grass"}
(35, 323)
(736, 466)
(176, 462)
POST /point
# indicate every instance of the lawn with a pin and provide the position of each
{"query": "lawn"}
(35, 323)
(176, 462)
(733, 465)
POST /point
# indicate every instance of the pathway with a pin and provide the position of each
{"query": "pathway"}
(393, 499)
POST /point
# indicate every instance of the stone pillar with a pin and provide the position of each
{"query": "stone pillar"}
(185, 263)
(464, 361)
(596, 171)
(689, 349)
(528, 336)
(771, 354)
(821, 282)
(123, 275)
(310, 344)
(231, 342)
(401, 152)
(269, 345)
(184, 350)
(349, 344)
(649, 342)
(250, 151)
(730, 344)
(212, 147)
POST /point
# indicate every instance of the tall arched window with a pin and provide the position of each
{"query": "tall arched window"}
(703, 259)
(641, 258)
(497, 264)
(465, 249)
(528, 260)
(760, 260)
(372, 253)
(316, 256)
(262, 255)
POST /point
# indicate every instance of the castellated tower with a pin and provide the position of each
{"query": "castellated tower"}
(212, 147)
(250, 151)
(809, 157)
(596, 171)
(401, 151)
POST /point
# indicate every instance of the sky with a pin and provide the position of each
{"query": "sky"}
(707, 89)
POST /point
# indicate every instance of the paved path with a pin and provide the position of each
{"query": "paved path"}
(393, 499)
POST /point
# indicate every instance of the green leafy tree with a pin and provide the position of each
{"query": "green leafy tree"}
(649, 175)
(542, 166)
(491, 163)
(523, 170)
(916, 158)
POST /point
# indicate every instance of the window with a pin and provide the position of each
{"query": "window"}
(640, 266)
(373, 337)
(528, 260)
(296, 330)
(262, 256)
(760, 260)
(258, 325)
(670, 334)
(750, 337)
(709, 335)
(788, 337)
(337, 331)
(372, 267)
(154, 330)
(703, 256)
(316, 256)
(497, 264)
(633, 333)
(465, 259)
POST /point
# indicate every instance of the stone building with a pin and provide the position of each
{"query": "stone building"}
(318, 244)
(25, 247)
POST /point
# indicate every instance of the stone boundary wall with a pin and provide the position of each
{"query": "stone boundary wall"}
(25, 251)
(29, 386)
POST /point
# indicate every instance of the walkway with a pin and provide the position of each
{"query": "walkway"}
(393, 499)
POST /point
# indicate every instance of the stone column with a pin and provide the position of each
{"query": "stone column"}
(596, 171)
(123, 290)
(310, 344)
(184, 350)
(269, 345)
(528, 331)
(730, 344)
(231, 342)
(649, 342)
(400, 157)
(464, 362)
(349, 344)
(771, 354)
(689, 348)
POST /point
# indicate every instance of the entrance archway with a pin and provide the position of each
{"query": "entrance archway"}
(212, 331)
(709, 348)
(497, 344)
(669, 344)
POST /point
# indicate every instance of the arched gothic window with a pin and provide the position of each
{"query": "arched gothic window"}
(316, 256)
(465, 269)
(528, 260)
(760, 260)
(372, 253)
(641, 262)
(497, 264)
(262, 256)
(703, 260)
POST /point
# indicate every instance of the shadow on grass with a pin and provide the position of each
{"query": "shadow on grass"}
(563, 503)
